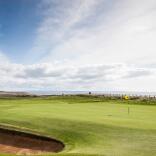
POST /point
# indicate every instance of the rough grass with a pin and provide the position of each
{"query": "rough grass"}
(87, 125)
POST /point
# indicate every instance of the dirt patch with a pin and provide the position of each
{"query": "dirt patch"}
(21, 143)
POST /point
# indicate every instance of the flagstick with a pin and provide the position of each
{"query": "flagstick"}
(128, 110)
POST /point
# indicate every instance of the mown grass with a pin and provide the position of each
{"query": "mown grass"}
(88, 125)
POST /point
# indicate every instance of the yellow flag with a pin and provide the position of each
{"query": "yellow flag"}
(126, 97)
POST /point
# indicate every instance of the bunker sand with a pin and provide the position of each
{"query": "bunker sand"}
(21, 143)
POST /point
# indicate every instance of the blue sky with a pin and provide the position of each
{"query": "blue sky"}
(18, 22)
(78, 45)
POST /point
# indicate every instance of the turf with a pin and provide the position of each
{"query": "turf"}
(89, 126)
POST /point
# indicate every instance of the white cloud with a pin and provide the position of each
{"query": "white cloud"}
(50, 76)
(3, 58)
(97, 31)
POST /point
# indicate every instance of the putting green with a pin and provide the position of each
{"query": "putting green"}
(86, 125)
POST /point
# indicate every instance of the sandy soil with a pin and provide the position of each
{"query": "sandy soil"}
(25, 144)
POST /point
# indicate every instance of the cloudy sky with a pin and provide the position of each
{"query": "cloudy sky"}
(100, 45)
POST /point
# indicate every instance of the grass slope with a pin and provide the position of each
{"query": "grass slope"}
(87, 125)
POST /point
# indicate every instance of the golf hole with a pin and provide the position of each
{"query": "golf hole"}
(21, 143)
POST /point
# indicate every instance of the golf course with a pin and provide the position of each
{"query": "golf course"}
(86, 125)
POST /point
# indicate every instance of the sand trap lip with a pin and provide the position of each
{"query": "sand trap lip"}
(21, 143)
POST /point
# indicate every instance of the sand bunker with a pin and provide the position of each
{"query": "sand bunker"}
(21, 143)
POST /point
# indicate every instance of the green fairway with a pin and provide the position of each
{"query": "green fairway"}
(86, 125)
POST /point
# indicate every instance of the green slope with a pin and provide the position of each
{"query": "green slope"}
(87, 125)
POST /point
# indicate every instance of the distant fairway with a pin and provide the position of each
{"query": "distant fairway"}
(86, 125)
